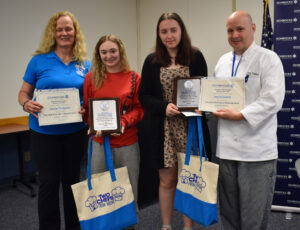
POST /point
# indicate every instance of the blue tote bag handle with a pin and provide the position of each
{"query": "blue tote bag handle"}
(201, 141)
(108, 160)
(194, 125)
(191, 138)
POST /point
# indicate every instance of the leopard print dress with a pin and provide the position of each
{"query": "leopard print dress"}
(175, 128)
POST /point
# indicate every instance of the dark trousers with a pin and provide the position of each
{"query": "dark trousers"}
(246, 192)
(58, 161)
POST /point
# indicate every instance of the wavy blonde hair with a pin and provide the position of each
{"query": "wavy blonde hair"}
(48, 42)
(99, 69)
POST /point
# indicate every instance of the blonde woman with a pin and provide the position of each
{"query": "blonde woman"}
(111, 76)
(59, 62)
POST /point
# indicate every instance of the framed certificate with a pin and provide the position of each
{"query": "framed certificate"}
(105, 115)
(60, 106)
(186, 93)
(221, 93)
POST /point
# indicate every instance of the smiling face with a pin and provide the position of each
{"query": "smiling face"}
(64, 32)
(170, 34)
(240, 31)
(110, 56)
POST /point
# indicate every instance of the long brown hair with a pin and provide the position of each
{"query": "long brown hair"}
(99, 69)
(185, 50)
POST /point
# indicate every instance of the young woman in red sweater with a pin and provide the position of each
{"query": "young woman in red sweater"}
(111, 76)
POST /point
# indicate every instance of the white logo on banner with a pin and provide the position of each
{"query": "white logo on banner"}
(287, 2)
(286, 39)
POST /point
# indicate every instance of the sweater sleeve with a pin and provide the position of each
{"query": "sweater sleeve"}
(136, 114)
(198, 66)
(150, 88)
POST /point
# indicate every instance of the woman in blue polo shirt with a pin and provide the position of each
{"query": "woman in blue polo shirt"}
(59, 62)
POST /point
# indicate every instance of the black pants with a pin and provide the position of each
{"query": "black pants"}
(58, 160)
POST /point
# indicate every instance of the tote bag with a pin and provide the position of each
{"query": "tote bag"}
(105, 201)
(196, 191)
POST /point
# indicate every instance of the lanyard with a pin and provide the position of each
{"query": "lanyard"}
(233, 73)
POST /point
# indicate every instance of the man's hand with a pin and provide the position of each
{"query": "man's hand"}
(229, 114)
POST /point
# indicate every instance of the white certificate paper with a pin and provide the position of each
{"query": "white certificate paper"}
(60, 106)
(221, 93)
(105, 115)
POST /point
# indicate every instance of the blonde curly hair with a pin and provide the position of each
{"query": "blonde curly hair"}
(48, 42)
(99, 69)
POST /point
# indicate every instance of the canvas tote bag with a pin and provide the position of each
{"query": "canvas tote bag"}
(196, 191)
(105, 201)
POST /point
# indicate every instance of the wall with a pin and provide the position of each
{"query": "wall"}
(22, 24)
(134, 21)
(205, 21)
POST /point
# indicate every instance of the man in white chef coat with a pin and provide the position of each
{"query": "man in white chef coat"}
(247, 140)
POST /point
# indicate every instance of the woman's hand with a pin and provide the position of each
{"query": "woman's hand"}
(33, 107)
(82, 111)
(118, 134)
(172, 110)
(98, 133)
(198, 111)
(25, 96)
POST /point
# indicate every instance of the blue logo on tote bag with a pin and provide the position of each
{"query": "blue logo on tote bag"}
(192, 179)
(103, 200)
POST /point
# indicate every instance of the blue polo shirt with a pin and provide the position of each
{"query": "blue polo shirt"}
(47, 71)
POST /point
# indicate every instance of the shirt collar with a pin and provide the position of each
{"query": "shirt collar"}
(52, 54)
(247, 53)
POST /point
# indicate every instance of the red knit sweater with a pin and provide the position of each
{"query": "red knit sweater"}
(125, 86)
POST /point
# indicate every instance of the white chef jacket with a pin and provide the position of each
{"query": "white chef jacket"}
(254, 138)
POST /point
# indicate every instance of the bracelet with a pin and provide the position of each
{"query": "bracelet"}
(25, 104)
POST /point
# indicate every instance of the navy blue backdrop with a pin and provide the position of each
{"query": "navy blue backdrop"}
(287, 46)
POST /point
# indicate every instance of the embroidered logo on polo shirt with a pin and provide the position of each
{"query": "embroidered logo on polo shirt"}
(79, 69)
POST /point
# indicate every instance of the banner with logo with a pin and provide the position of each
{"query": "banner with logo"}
(287, 46)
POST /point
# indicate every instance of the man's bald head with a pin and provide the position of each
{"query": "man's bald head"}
(240, 31)
(240, 14)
